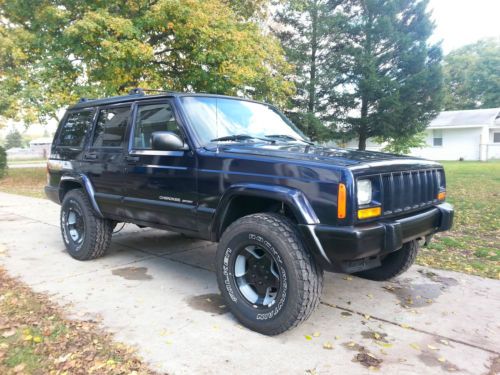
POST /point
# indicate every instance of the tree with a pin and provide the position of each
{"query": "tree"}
(311, 32)
(52, 53)
(375, 74)
(472, 76)
(13, 139)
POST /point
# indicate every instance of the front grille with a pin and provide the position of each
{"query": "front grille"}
(409, 190)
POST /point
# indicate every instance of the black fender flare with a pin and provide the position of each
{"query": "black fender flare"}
(85, 182)
(293, 198)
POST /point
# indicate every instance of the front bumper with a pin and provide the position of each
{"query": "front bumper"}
(355, 248)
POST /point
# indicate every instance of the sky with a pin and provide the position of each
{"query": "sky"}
(460, 22)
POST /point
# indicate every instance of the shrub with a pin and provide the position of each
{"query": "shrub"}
(3, 162)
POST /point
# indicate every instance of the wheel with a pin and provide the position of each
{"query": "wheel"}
(268, 278)
(393, 264)
(85, 235)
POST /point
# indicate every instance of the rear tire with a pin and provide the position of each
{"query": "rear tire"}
(393, 264)
(268, 278)
(86, 235)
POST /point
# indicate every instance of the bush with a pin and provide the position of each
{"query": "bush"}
(3, 162)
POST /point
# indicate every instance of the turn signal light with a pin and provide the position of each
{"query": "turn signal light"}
(341, 201)
(442, 195)
(369, 212)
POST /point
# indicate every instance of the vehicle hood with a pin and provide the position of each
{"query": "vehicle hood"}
(328, 155)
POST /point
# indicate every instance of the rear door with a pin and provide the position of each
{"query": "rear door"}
(161, 185)
(104, 158)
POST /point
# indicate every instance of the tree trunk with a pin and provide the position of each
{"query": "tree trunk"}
(314, 47)
(362, 132)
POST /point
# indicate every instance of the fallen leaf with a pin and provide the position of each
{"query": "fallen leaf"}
(9, 334)
(404, 325)
(367, 317)
(351, 344)
(37, 339)
(370, 296)
(328, 345)
(445, 342)
(432, 347)
(308, 337)
(348, 278)
(316, 334)
(415, 346)
(442, 359)
(28, 338)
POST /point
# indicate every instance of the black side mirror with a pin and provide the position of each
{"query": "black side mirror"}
(167, 141)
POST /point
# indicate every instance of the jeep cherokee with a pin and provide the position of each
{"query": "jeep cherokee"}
(239, 173)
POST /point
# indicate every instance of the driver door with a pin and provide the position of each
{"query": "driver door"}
(161, 185)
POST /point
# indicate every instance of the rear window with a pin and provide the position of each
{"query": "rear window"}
(110, 127)
(75, 128)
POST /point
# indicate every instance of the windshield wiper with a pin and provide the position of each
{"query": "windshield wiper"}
(289, 137)
(240, 137)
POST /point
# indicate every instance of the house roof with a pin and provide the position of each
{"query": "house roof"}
(459, 119)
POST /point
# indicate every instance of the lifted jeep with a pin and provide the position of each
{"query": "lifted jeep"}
(239, 173)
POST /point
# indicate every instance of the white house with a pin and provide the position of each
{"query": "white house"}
(41, 146)
(467, 135)
(456, 135)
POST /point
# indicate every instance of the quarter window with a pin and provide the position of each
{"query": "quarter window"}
(496, 137)
(110, 127)
(437, 137)
(75, 128)
(152, 118)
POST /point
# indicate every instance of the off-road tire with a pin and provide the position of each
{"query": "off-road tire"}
(300, 277)
(97, 231)
(393, 264)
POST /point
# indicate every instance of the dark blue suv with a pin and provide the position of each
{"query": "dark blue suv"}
(239, 173)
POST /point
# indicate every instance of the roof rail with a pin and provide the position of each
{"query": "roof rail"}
(141, 91)
(82, 100)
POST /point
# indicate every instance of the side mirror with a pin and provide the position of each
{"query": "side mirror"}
(167, 141)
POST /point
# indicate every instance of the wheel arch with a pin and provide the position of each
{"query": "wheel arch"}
(245, 199)
(79, 182)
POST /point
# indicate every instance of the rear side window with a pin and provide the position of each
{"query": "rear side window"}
(110, 127)
(75, 128)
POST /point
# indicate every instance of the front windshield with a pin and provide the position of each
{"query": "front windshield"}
(232, 120)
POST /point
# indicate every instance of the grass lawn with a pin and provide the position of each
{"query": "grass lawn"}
(36, 338)
(25, 181)
(28, 161)
(472, 246)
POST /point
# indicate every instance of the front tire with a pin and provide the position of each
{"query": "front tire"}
(393, 264)
(85, 235)
(268, 278)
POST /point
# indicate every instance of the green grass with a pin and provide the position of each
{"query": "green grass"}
(28, 161)
(24, 181)
(473, 245)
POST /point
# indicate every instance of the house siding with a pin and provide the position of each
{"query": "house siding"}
(457, 143)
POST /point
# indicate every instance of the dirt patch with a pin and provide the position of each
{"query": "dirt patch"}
(133, 273)
(211, 303)
(345, 313)
(363, 356)
(374, 335)
(494, 366)
(445, 281)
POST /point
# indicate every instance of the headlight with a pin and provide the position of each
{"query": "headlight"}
(364, 192)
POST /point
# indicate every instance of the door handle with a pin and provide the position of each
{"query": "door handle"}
(90, 156)
(132, 158)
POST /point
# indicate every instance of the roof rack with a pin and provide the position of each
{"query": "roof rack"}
(141, 91)
(83, 100)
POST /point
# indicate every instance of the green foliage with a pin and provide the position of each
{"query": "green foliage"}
(472, 76)
(3, 162)
(13, 139)
(52, 53)
(365, 67)
(402, 145)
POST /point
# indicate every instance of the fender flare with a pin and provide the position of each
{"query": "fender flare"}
(84, 181)
(293, 198)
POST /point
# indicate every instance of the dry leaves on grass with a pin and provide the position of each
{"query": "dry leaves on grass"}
(35, 338)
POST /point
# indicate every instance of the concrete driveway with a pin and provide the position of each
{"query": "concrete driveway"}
(157, 291)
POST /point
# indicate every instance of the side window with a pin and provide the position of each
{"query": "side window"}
(75, 128)
(110, 127)
(437, 137)
(152, 118)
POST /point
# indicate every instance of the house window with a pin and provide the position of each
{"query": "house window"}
(496, 137)
(437, 137)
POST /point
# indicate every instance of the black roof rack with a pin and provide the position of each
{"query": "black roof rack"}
(141, 91)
